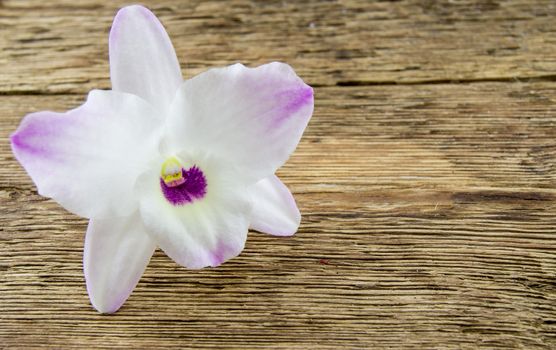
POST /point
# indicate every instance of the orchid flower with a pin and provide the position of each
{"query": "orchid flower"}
(187, 166)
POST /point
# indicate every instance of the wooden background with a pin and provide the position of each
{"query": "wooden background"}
(426, 179)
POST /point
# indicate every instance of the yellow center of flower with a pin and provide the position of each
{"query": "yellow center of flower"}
(172, 172)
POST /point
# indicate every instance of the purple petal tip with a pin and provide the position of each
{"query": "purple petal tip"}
(222, 252)
(19, 142)
(126, 11)
(294, 100)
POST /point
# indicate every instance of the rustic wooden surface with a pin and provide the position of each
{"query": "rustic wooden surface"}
(426, 179)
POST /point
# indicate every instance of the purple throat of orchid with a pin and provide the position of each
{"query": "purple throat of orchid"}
(181, 186)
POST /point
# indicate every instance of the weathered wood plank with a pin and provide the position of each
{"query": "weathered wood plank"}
(429, 215)
(61, 46)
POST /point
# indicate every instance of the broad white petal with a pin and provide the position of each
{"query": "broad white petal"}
(253, 117)
(274, 208)
(117, 251)
(142, 59)
(205, 232)
(88, 159)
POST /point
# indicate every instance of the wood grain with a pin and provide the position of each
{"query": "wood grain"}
(426, 179)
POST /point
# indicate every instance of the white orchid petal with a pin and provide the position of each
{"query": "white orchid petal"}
(274, 208)
(142, 59)
(251, 117)
(205, 232)
(88, 159)
(117, 251)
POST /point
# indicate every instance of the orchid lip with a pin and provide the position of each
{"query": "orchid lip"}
(181, 186)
